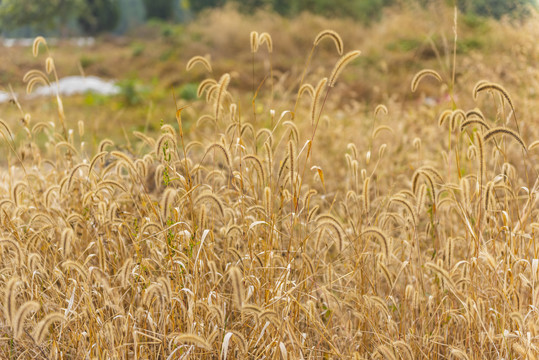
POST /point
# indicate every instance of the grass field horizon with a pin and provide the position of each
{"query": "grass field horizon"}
(276, 188)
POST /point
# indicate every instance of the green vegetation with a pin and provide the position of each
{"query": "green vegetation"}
(159, 9)
(41, 13)
(497, 8)
(98, 16)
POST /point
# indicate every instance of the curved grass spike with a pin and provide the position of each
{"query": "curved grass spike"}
(66, 241)
(407, 205)
(282, 167)
(378, 234)
(343, 61)
(223, 150)
(475, 113)
(533, 145)
(422, 74)
(504, 131)
(51, 69)
(476, 86)
(317, 95)
(381, 128)
(204, 85)
(35, 46)
(407, 349)
(482, 164)
(258, 165)
(488, 195)
(214, 199)
(326, 223)
(144, 138)
(20, 316)
(306, 88)
(49, 65)
(266, 38)
(474, 120)
(42, 328)
(34, 77)
(237, 285)
(255, 41)
(191, 339)
(10, 298)
(16, 247)
(104, 143)
(332, 219)
(366, 197)
(72, 174)
(167, 201)
(292, 160)
(333, 35)
(380, 108)
(492, 86)
(456, 115)
(481, 86)
(386, 352)
(199, 60)
(323, 34)
(221, 90)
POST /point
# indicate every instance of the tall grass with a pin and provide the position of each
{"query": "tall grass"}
(266, 236)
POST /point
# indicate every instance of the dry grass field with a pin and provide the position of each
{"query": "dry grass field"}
(333, 192)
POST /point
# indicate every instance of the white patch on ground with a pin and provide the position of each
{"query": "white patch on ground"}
(27, 42)
(4, 96)
(73, 85)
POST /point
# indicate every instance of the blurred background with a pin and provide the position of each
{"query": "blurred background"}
(121, 59)
(19, 18)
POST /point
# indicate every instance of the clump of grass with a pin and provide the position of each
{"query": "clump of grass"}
(253, 238)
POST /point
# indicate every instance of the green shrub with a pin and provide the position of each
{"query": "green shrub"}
(99, 16)
(496, 8)
(159, 9)
(131, 91)
(189, 91)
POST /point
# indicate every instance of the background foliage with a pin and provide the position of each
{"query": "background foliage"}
(23, 17)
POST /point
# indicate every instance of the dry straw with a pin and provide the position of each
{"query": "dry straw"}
(180, 245)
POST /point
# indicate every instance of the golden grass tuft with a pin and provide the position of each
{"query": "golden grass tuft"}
(271, 227)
